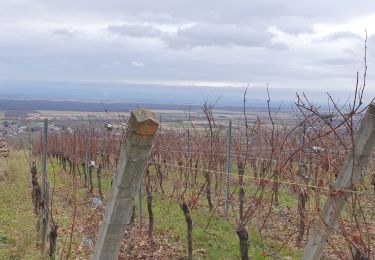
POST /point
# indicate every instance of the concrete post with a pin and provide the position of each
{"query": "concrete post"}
(348, 176)
(135, 152)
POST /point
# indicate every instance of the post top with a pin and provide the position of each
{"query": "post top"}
(371, 108)
(144, 121)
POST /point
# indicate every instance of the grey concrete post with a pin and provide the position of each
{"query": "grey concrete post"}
(348, 176)
(135, 152)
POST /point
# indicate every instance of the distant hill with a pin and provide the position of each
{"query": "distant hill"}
(13, 105)
(90, 96)
(141, 93)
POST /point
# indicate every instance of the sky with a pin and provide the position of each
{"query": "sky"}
(302, 45)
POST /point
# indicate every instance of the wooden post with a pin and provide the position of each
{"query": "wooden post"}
(348, 176)
(134, 155)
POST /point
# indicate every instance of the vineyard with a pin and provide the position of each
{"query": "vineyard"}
(186, 130)
(212, 188)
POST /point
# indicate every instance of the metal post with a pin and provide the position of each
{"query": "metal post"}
(348, 176)
(45, 191)
(228, 168)
(86, 161)
(188, 142)
(91, 185)
(44, 159)
(302, 143)
(44, 219)
(140, 205)
(188, 150)
(302, 196)
(134, 155)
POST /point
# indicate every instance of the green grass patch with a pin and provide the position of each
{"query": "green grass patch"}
(213, 236)
(18, 235)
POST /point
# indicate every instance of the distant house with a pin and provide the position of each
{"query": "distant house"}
(55, 128)
(108, 127)
(22, 129)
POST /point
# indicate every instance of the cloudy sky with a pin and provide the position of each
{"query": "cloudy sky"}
(316, 45)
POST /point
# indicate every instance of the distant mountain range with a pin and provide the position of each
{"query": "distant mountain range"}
(93, 96)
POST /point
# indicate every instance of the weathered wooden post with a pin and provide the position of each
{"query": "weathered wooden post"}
(348, 176)
(135, 152)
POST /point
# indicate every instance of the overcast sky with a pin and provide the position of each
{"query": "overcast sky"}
(316, 45)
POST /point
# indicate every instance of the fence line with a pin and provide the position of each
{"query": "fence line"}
(269, 180)
(233, 155)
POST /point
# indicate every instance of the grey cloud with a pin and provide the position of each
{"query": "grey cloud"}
(293, 24)
(371, 43)
(213, 10)
(135, 30)
(160, 17)
(225, 35)
(227, 41)
(222, 35)
(371, 51)
(343, 36)
(336, 61)
(65, 32)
